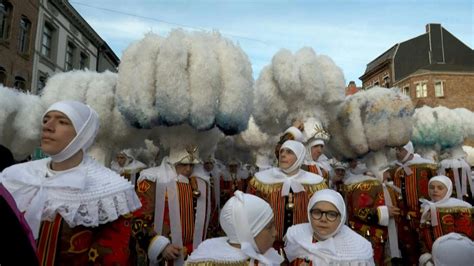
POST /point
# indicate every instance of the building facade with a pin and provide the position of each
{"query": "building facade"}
(65, 42)
(18, 23)
(434, 69)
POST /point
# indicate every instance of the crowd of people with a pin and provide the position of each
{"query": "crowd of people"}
(68, 209)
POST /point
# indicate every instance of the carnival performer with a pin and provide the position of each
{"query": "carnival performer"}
(371, 208)
(232, 179)
(212, 170)
(77, 209)
(176, 205)
(249, 226)
(337, 180)
(126, 165)
(442, 215)
(411, 174)
(326, 240)
(314, 138)
(287, 188)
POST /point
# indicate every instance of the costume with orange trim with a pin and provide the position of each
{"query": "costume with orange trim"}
(229, 183)
(367, 211)
(176, 210)
(291, 208)
(444, 216)
(412, 178)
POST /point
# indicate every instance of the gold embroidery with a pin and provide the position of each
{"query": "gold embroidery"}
(93, 254)
(269, 188)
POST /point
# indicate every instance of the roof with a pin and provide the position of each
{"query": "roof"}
(387, 55)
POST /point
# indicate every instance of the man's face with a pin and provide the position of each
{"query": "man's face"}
(121, 159)
(208, 166)
(57, 132)
(316, 151)
(233, 168)
(353, 164)
(400, 152)
(184, 169)
(340, 173)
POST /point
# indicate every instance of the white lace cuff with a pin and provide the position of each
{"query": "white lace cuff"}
(157, 245)
(382, 213)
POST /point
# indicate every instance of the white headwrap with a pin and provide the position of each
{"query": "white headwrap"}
(242, 218)
(409, 148)
(86, 123)
(333, 197)
(300, 152)
(430, 206)
(453, 249)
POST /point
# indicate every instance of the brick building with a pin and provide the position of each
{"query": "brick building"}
(434, 68)
(18, 23)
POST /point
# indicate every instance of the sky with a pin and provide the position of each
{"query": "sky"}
(352, 33)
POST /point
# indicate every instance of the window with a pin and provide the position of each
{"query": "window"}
(46, 42)
(23, 39)
(69, 64)
(5, 14)
(376, 83)
(20, 83)
(421, 90)
(84, 61)
(3, 76)
(386, 82)
(406, 90)
(42, 78)
(439, 91)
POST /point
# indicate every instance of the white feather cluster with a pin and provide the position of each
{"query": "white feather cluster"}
(441, 128)
(258, 142)
(198, 78)
(370, 121)
(297, 86)
(20, 121)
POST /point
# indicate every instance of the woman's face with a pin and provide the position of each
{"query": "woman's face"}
(437, 191)
(266, 237)
(325, 218)
(287, 158)
(57, 132)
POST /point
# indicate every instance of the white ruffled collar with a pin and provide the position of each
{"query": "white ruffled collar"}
(346, 247)
(275, 176)
(87, 195)
(219, 251)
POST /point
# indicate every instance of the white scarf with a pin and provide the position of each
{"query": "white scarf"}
(86, 124)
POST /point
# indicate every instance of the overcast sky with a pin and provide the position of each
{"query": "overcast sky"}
(352, 33)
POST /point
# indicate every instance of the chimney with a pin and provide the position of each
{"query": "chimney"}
(435, 34)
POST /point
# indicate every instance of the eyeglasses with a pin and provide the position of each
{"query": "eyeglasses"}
(331, 216)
